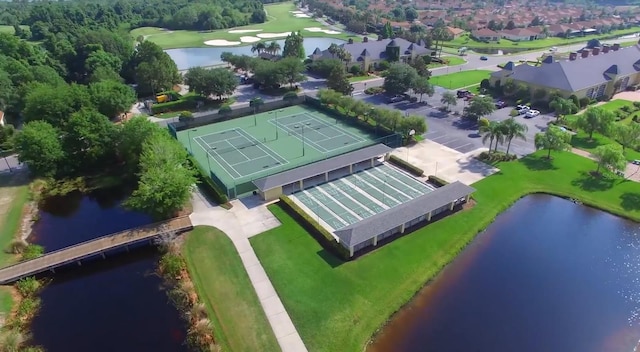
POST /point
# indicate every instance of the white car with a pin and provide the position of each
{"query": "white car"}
(532, 113)
(522, 108)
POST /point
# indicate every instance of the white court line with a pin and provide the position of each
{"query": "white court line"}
(399, 180)
(269, 152)
(319, 204)
(238, 150)
(387, 184)
(340, 129)
(340, 204)
(346, 195)
(217, 161)
(361, 181)
(297, 135)
(253, 160)
(461, 146)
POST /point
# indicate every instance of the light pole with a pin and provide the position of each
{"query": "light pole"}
(411, 133)
(302, 140)
(208, 161)
(189, 137)
(276, 113)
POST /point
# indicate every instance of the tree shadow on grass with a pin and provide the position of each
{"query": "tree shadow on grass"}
(591, 182)
(630, 201)
(538, 163)
(583, 142)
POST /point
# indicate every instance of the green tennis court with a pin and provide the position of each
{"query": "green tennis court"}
(240, 150)
(358, 196)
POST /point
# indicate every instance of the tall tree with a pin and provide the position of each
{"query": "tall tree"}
(400, 78)
(448, 99)
(55, 104)
(563, 106)
(421, 86)
(294, 45)
(595, 119)
(492, 132)
(609, 156)
(292, 70)
(338, 81)
(112, 98)
(627, 135)
(89, 139)
(513, 129)
(38, 146)
(132, 136)
(479, 107)
(553, 139)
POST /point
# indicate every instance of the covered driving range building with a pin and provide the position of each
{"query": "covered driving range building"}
(395, 221)
(287, 182)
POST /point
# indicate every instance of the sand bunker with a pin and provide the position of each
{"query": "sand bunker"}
(273, 35)
(221, 42)
(318, 29)
(249, 39)
(296, 12)
(240, 31)
(302, 15)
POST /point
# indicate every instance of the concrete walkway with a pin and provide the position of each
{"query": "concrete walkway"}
(247, 218)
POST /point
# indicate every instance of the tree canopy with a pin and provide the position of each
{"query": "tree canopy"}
(400, 78)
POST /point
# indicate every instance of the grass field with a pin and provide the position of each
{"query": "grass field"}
(223, 285)
(9, 29)
(581, 140)
(279, 20)
(466, 41)
(338, 306)
(460, 79)
(453, 61)
(14, 193)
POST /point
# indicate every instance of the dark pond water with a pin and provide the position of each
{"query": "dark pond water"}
(109, 305)
(186, 58)
(548, 275)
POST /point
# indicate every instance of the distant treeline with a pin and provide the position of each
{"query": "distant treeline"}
(66, 17)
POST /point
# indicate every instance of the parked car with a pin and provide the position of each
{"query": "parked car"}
(463, 93)
(395, 99)
(500, 104)
(484, 58)
(636, 162)
(469, 96)
(531, 113)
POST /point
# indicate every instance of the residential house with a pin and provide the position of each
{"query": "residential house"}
(486, 34)
(369, 53)
(592, 73)
(454, 32)
(518, 34)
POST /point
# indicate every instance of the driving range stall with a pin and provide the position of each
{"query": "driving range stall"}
(398, 219)
(272, 187)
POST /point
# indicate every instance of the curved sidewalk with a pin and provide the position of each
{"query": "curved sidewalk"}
(241, 222)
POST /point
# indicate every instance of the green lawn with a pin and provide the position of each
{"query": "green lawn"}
(460, 79)
(223, 285)
(361, 78)
(338, 306)
(280, 20)
(453, 61)
(9, 29)
(466, 41)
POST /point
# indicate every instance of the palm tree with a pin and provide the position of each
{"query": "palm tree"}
(333, 49)
(344, 56)
(492, 132)
(258, 47)
(513, 129)
(273, 48)
(449, 99)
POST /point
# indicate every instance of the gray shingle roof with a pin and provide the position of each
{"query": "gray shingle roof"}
(377, 49)
(317, 168)
(581, 73)
(389, 219)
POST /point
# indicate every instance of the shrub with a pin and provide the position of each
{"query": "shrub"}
(27, 308)
(171, 265)
(413, 99)
(496, 157)
(225, 109)
(208, 186)
(323, 236)
(414, 170)
(178, 105)
(636, 104)
(627, 109)
(28, 286)
(290, 96)
(575, 100)
(185, 116)
(437, 181)
(355, 70)
(584, 102)
(32, 251)
(485, 84)
(374, 90)
(383, 65)
(514, 113)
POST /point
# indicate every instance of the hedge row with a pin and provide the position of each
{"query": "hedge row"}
(177, 105)
(326, 239)
(209, 187)
(437, 181)
(414, 170)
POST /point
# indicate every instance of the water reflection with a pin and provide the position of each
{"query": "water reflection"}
(548, 275)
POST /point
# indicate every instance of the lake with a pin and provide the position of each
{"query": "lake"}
(548, 275)
(117, 304)
(186, 58)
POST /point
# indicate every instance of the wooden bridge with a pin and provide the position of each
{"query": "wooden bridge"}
(98, 246)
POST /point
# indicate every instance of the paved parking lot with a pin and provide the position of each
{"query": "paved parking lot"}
(461, 135)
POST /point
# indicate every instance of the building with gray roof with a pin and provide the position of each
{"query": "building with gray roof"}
(396, 220)
(369, 53)
(593, 73)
